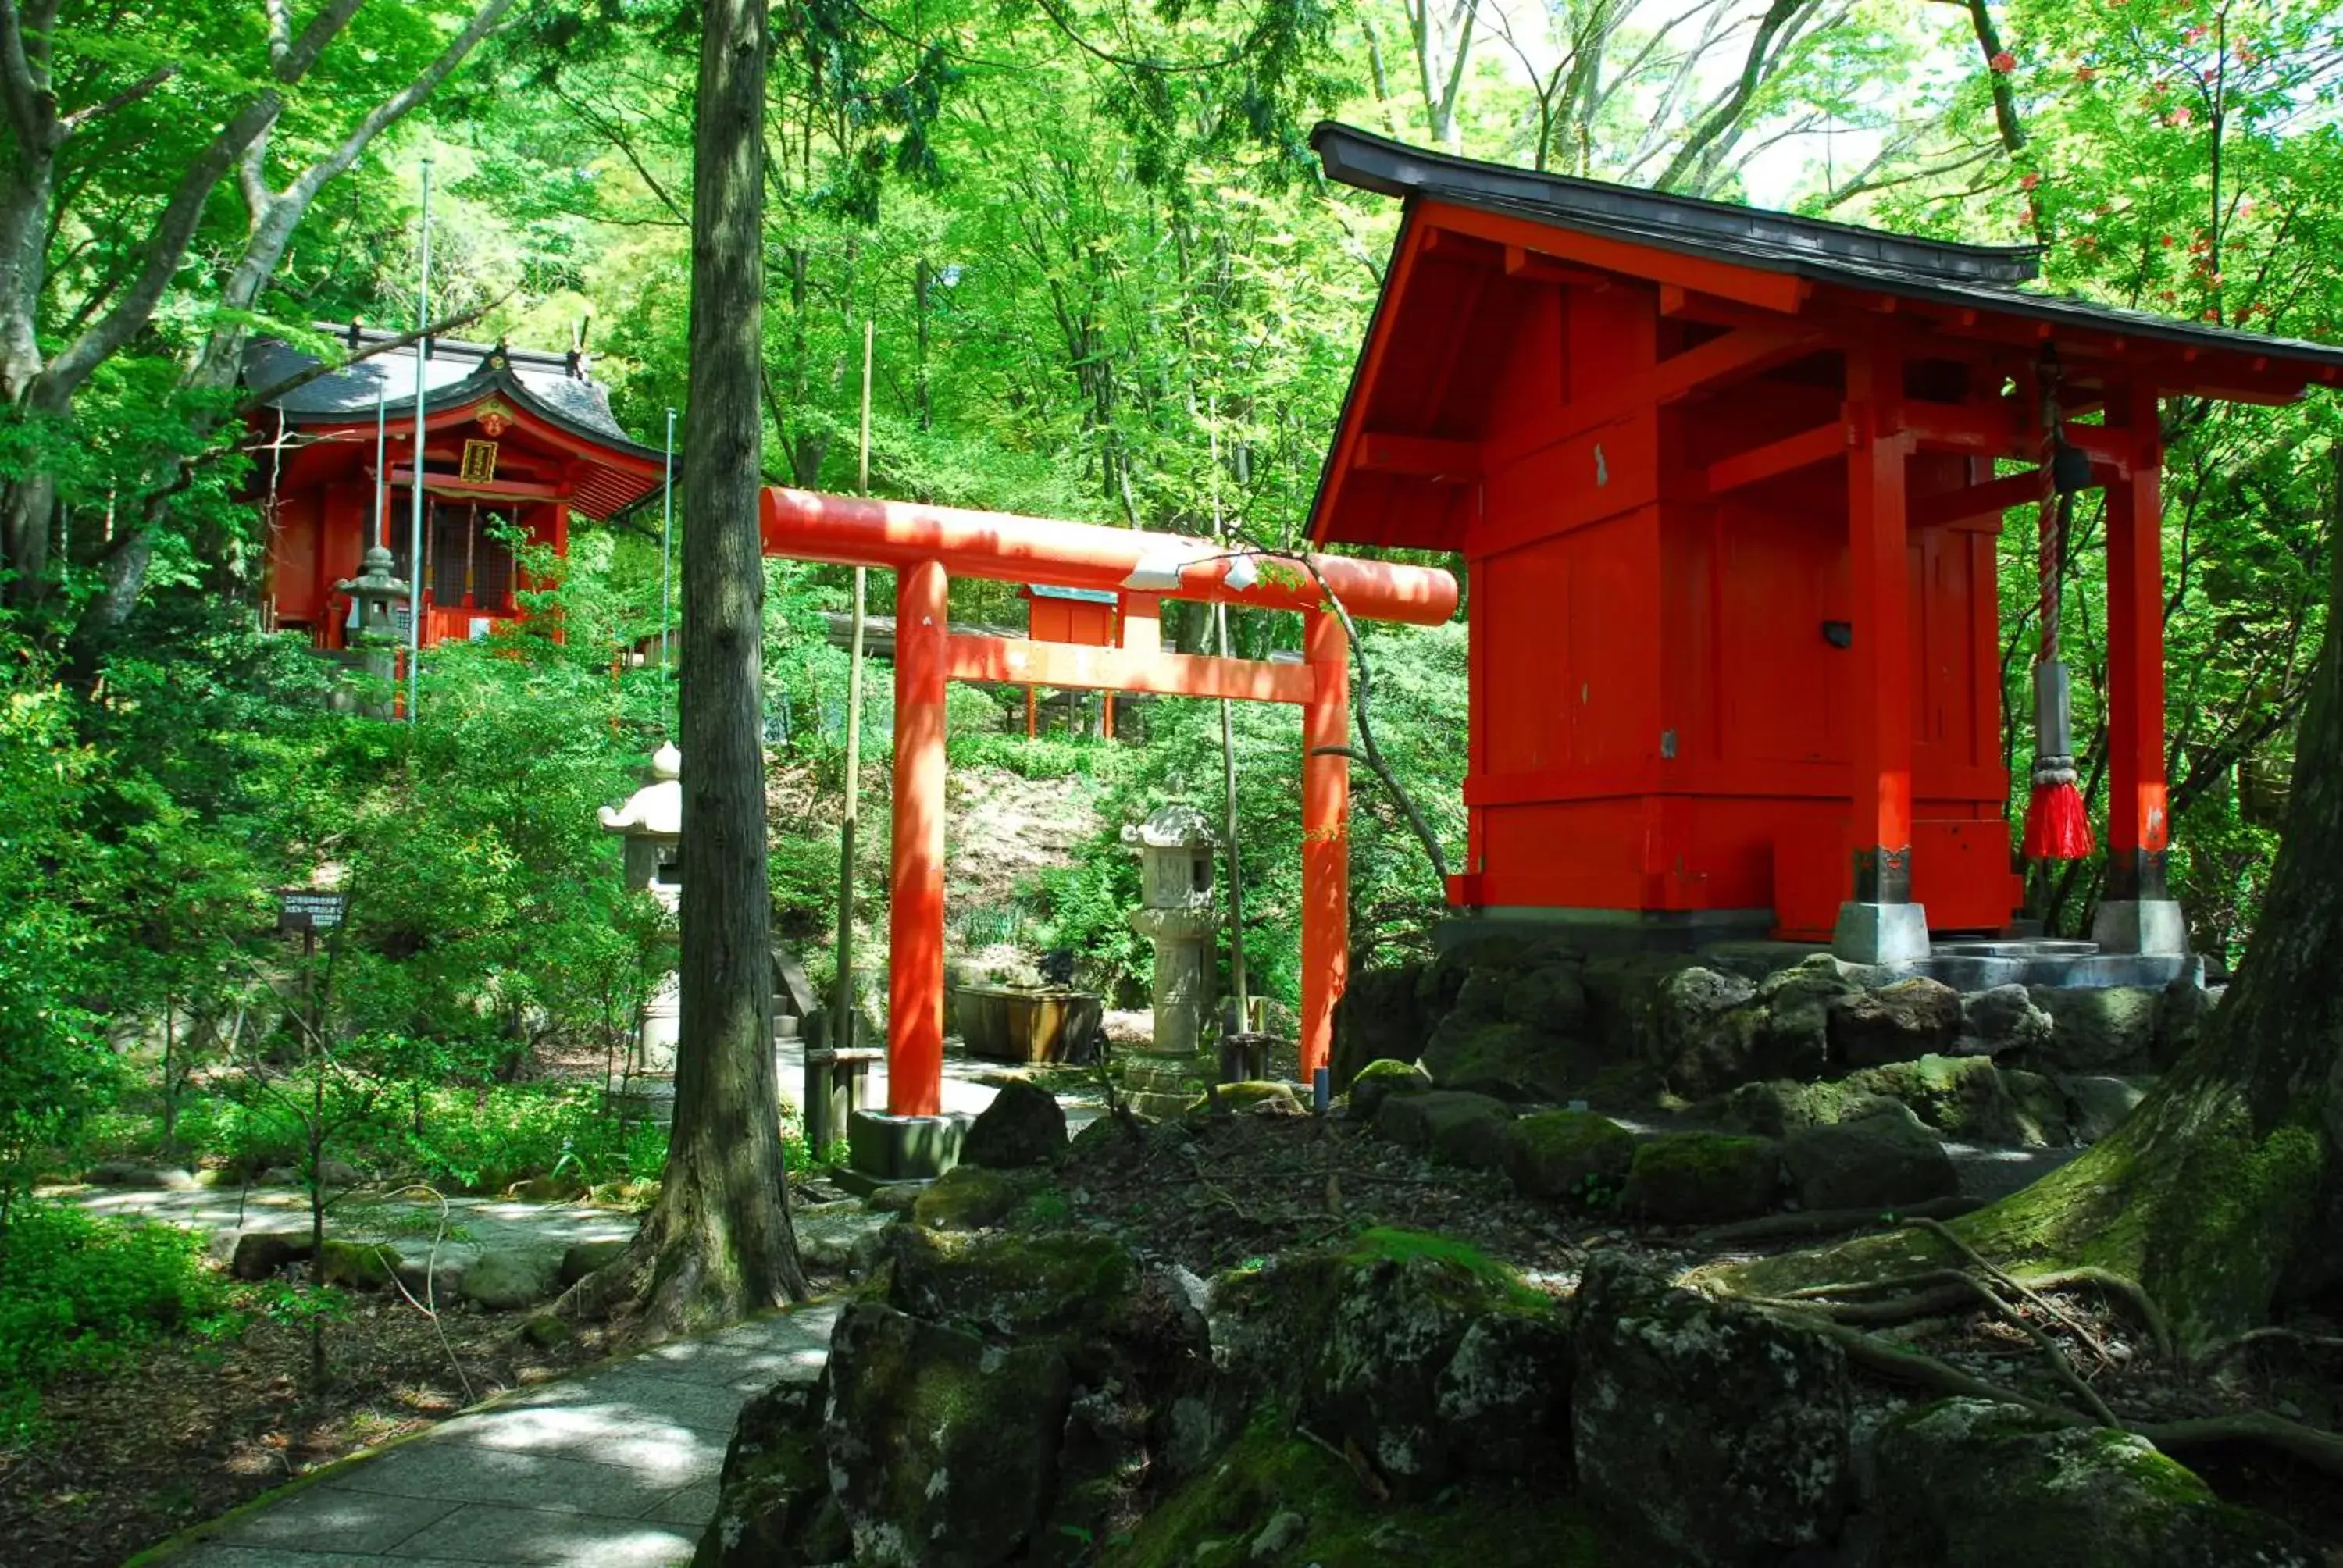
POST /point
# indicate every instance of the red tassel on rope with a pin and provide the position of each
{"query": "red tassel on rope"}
(2057, 828)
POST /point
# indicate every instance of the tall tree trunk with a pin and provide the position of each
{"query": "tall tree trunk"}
(719, 1244)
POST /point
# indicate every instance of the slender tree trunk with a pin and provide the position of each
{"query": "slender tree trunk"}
(719, 1245)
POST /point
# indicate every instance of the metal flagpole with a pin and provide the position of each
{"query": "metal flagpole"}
(842, 1031)
(381, 480)
(667, 553)
(415, 532)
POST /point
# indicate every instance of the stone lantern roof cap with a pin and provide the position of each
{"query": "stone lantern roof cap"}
(655, 810)
(1179, 826)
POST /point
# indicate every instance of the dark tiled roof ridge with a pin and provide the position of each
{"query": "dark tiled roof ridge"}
(1389, 167)
(1748, 237)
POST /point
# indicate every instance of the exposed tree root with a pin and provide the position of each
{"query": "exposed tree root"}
(1817, 1223)
(2125, 1289)
(2002, 1277)
(1930, 1298)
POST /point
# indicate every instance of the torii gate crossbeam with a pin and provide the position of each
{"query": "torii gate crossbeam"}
(923, 546)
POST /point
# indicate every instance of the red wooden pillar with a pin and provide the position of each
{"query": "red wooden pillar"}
(915, 915)
(1879, 923)
(2135, 911)
(1325, 836)
(561, 553)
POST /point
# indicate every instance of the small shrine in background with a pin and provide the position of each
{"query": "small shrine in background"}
(517, 443)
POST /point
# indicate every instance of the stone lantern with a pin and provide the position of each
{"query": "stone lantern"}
(375, 637)
(1177, 848)
(652, 822)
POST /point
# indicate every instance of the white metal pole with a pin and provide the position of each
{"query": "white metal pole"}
(415, 465)
(666, 551)
(381, 480)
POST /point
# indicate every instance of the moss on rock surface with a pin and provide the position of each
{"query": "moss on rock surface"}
(1277, 1498)
(1379, 1080)
(969, 1198)
(1053, 1284)
(1967, 1481)
(1702, 1178)
(1573, 1154)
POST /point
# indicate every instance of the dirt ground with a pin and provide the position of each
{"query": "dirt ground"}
(186, 1432)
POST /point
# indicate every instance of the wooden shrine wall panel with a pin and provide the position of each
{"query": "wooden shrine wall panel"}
(294, 589)
(1568, 656)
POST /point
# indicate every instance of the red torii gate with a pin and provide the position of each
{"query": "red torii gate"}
(923, 546)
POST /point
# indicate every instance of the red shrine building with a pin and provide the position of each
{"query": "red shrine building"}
(1728, 486)
(513, 440)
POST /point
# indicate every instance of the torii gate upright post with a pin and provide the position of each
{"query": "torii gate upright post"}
(923, 546)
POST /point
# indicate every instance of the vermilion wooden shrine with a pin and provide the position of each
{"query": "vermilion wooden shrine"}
(511, 438)
(1724, 483)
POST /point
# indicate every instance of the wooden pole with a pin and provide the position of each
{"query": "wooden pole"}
(841, 1033)
(1237, 979)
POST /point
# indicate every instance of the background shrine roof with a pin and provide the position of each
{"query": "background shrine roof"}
(1985, 277)
(553, 386)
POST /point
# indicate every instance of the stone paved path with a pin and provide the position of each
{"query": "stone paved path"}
(613, 1468)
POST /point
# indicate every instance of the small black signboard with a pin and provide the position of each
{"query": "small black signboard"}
(299, 909)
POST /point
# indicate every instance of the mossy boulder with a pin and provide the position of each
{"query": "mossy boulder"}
(261, 1254)
(1970, 1481)
(1717, 1432)
(1550, 998)
(940, 1446)
(1702, 1178)
(1912, 1018)
(1573, 1154)
(969, 1198)
(1702, 1030)
(1435, 1361)
(2004, 1019)
(1376, 1021)
(1793, 1040)
(1058, 1283)
(2097, 1029)
(1453, 1126)
(1277, 1498)
(1884, 1159)
(508, 1279)
(1780, 1107)
(1497, 1056)
(1024, 1125)
(773, 1500)
(1962, 1096)
(357, 1265)
(1379, 1080)
(580, 1258)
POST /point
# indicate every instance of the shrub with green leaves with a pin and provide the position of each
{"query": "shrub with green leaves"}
(78, 1291)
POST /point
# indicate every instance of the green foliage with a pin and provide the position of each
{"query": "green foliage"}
(78, 1292)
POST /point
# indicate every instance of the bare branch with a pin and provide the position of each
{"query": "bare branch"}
(130, 95)
(323, 29)
(165, 248)
(1779, 22)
